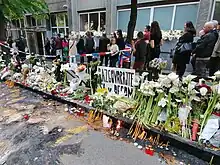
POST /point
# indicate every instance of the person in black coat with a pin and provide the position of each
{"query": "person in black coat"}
(155, 40)
(47, 46)
(204, 49)
(81, 48)
(103, 43)
(181, 58)
(89, 46)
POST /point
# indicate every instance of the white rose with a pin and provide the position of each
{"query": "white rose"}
(203, 91)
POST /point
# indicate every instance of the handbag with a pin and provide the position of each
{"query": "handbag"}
(185, 47)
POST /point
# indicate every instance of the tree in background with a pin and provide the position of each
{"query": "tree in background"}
(132, 21)
(15, 9)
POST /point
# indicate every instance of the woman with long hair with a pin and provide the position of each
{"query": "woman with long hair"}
(155, 40)
(120, 40)
(182, 55)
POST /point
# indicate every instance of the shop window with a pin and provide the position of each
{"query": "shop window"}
(216, 15)
(33, 21)
(59, 24)
(53, 20)
(39, 22)
(183, 14)
(60, 20)
(83, 22)
(123, 19)
(62, 32)
(66, 19)
(93, 24)
(67, 31)
(54, 31)
(28, 20)
(22, 23)
(93, 21)
(102, 21)
(164, 16)
(15, 24)
(143, 19)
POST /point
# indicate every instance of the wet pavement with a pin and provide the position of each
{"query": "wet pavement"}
(52, 136)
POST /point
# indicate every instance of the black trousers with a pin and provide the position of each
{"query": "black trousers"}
(113, 60)
(214, 65)
(106, 57)
(180, 69)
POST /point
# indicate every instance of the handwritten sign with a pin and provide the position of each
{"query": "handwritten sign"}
(117, 80)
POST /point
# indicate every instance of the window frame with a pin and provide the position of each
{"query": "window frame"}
(161, 6)
(88, 18)
(213, 9)
(65, 27)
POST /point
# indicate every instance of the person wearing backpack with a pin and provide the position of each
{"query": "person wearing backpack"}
(183, 49)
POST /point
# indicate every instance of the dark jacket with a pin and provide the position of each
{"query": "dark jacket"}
(205, 45)
(141, 51)
(80, 46)
(183, 57)
(89, 45)
(216, 51)
(58, 43)
(121, 43)
(103, 42)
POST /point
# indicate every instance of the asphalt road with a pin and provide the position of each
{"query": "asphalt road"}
(51, 136)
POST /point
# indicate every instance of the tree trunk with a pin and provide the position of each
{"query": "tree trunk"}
(2, 27)
(132, 22)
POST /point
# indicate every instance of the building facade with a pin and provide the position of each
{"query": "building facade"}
(37, 30)
(114, 14)
(109, 15)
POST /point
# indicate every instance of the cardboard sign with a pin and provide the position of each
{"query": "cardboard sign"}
(117, 80)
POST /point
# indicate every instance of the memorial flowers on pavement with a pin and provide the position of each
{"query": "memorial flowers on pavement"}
(177, 106)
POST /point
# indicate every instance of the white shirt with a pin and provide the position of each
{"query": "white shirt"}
(114, 49)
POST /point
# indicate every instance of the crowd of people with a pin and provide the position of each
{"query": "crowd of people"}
(204, 54)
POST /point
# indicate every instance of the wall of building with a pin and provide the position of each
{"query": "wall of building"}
(91, 4)
(117, 12)
(125, 2)
(56, 5)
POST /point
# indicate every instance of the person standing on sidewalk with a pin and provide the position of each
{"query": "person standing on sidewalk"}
(65, 45)
(182, 57)
(204, 49)
(47, 46)
(103, 43)
(155, 40)
(59, 48)
(214, 64)
(89, 46)
(114, 49)
(140, 52)
(81, 48)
